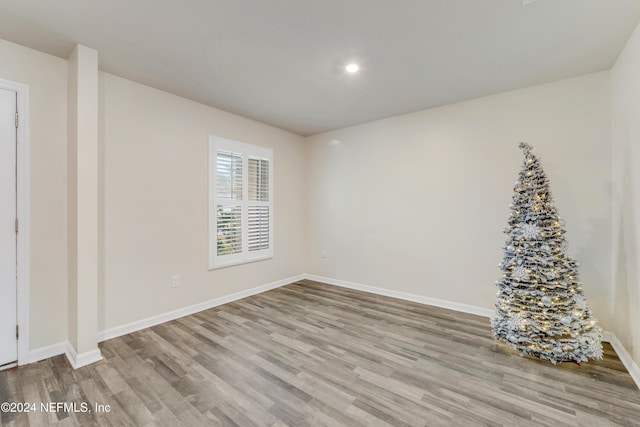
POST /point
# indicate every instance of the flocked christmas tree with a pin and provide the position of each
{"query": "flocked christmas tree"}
(540, 309)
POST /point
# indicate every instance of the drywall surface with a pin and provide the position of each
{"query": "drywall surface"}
(154, 198)
(625, 91)
(83, 199)
(417, 203)
(414, 203)
(46, 76)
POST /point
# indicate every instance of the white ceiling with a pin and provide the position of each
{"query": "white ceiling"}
(282, 61)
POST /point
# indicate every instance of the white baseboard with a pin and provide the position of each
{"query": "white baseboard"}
(624, 356)
(86, 358)
(181, 312)
(65, 347)
(47, 352)
(465, 308)
(95, 355)
(8, 366)
(82, 359)
(607, 336)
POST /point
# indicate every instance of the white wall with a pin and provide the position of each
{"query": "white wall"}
(414, 203)
(417, 203)
(152, 201)
(154, 177)
(625, 90)
(83, 201)
(46, 76)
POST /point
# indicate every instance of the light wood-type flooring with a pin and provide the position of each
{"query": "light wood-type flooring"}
(310, 354)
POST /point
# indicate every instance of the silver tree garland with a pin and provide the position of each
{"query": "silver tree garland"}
(540, 309)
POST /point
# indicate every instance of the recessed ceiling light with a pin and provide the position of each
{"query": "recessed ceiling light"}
(352, 68)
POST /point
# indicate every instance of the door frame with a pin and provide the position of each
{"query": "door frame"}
(23, 195)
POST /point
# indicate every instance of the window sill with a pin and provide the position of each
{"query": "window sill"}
(238, 262)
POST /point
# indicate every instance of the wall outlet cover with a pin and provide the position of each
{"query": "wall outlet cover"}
(175, 281)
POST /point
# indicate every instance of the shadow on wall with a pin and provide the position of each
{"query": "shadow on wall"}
(598, 230)
(621, 300)
(626, 268)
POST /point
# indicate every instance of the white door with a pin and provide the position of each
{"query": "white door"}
(8, 304)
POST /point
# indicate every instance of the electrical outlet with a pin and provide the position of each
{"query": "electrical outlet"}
(325, 256)
(175, 281)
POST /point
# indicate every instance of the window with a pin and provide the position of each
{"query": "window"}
(240, 202)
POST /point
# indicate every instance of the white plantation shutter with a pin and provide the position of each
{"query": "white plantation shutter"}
(258, 232)
(229, 175)
(258, 179)
(229, 230)
(240, 203)
(228, 211)
(258, 228)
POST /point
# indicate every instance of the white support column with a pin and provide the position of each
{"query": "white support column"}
(83, 207)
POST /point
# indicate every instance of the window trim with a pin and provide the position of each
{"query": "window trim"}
(246, 150)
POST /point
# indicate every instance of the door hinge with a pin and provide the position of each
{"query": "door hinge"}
(17, 121)
(17, 331)
(16, 225)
